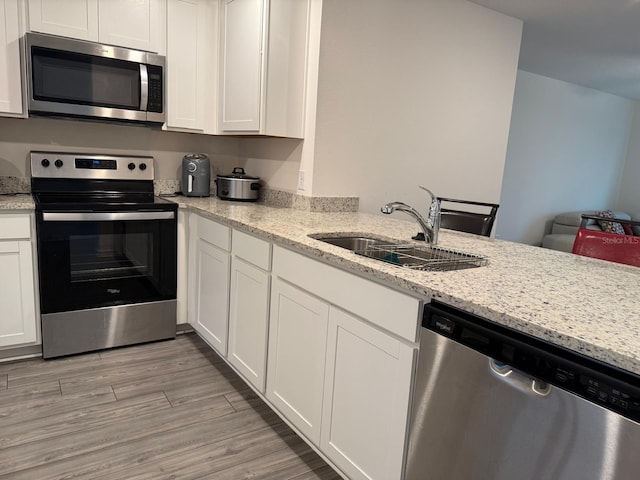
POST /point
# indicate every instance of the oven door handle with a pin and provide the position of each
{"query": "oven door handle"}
(105, 216)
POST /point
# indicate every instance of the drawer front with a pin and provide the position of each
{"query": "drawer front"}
(382, 306)
(15, 226)
(252, 249)
(214, 233)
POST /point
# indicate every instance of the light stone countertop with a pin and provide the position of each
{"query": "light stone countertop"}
(19, 201)
(589, 306)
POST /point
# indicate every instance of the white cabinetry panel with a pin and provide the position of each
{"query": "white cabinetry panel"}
(68, 18)
(264, 50)
(209, 269)
(138, 24)
(191, 49)
(249, 320)
(212, 295)
(18, 317)
(366, 398)
(297, 348)
(242, 40)
(10, 80)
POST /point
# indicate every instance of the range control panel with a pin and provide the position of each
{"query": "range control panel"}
(90, 166)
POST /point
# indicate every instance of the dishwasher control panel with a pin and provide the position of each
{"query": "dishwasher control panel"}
(599, 383)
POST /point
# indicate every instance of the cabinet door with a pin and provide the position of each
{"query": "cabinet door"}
(241, 77)
(17, 297)
(191, 49)
(212, 294)
(297, 348)
(10, 80)
(139, 24)
(248, 321)
(68, 18)
(366, 398)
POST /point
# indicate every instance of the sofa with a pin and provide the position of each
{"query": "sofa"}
(565, 226)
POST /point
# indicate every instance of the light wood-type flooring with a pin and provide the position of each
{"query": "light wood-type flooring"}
(165, 410)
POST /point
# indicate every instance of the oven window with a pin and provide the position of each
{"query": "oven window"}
(110, 256)
(93, 264)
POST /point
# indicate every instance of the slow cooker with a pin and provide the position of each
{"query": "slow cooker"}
(238, 186)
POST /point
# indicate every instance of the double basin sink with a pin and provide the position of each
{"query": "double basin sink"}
(427, 258)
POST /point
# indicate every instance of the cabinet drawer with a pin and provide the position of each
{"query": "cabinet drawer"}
(15, 226)
(252, 249)
(214, 233)
(386, 308)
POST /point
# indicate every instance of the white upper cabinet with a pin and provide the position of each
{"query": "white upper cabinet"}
(10, 80)
(192, 55)
(138, 24)
(262, 66)
(67, 18)
(242, 40)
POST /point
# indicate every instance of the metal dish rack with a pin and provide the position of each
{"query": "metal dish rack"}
(433, 259)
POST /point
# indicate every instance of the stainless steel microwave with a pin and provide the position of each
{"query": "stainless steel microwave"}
(90, 80)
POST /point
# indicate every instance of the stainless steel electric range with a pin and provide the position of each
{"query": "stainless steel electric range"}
(107, 252)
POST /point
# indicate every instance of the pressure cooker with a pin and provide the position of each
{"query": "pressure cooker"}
(238, 186)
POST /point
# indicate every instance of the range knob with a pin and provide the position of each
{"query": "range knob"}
(131, 166)
(191, 167)
(58, 163)
(45, 162)
(143, 166)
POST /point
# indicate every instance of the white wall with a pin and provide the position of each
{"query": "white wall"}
(629, 199)
(19, 136)
(275, 160)
(567, 148)
(413, 92)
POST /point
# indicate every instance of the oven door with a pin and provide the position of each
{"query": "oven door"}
(99, 259)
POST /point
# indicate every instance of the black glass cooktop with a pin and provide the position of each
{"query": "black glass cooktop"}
(101, 201)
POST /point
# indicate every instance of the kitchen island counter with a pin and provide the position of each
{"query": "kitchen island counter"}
(586, 305)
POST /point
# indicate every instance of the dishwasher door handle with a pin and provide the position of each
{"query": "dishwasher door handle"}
(518, 379)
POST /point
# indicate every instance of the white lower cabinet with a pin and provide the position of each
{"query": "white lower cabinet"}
(18, 319)
(360, 337)
(332, 352)
(209, 280)
(248, 321)
(297, 351)
(366, 398)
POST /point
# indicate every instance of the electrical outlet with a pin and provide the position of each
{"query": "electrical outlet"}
(301, 180)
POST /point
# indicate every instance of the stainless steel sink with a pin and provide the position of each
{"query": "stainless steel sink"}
(426, 258)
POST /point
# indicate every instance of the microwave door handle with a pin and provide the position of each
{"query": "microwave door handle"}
(144, 87)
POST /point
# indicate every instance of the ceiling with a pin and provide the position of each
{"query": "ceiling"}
(594, 43)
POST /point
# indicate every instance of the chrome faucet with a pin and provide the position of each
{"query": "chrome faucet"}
(429, 226)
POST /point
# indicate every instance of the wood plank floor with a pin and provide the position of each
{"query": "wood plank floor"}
(166, 410)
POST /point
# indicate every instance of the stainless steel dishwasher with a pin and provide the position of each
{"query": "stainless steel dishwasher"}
(492, 403)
